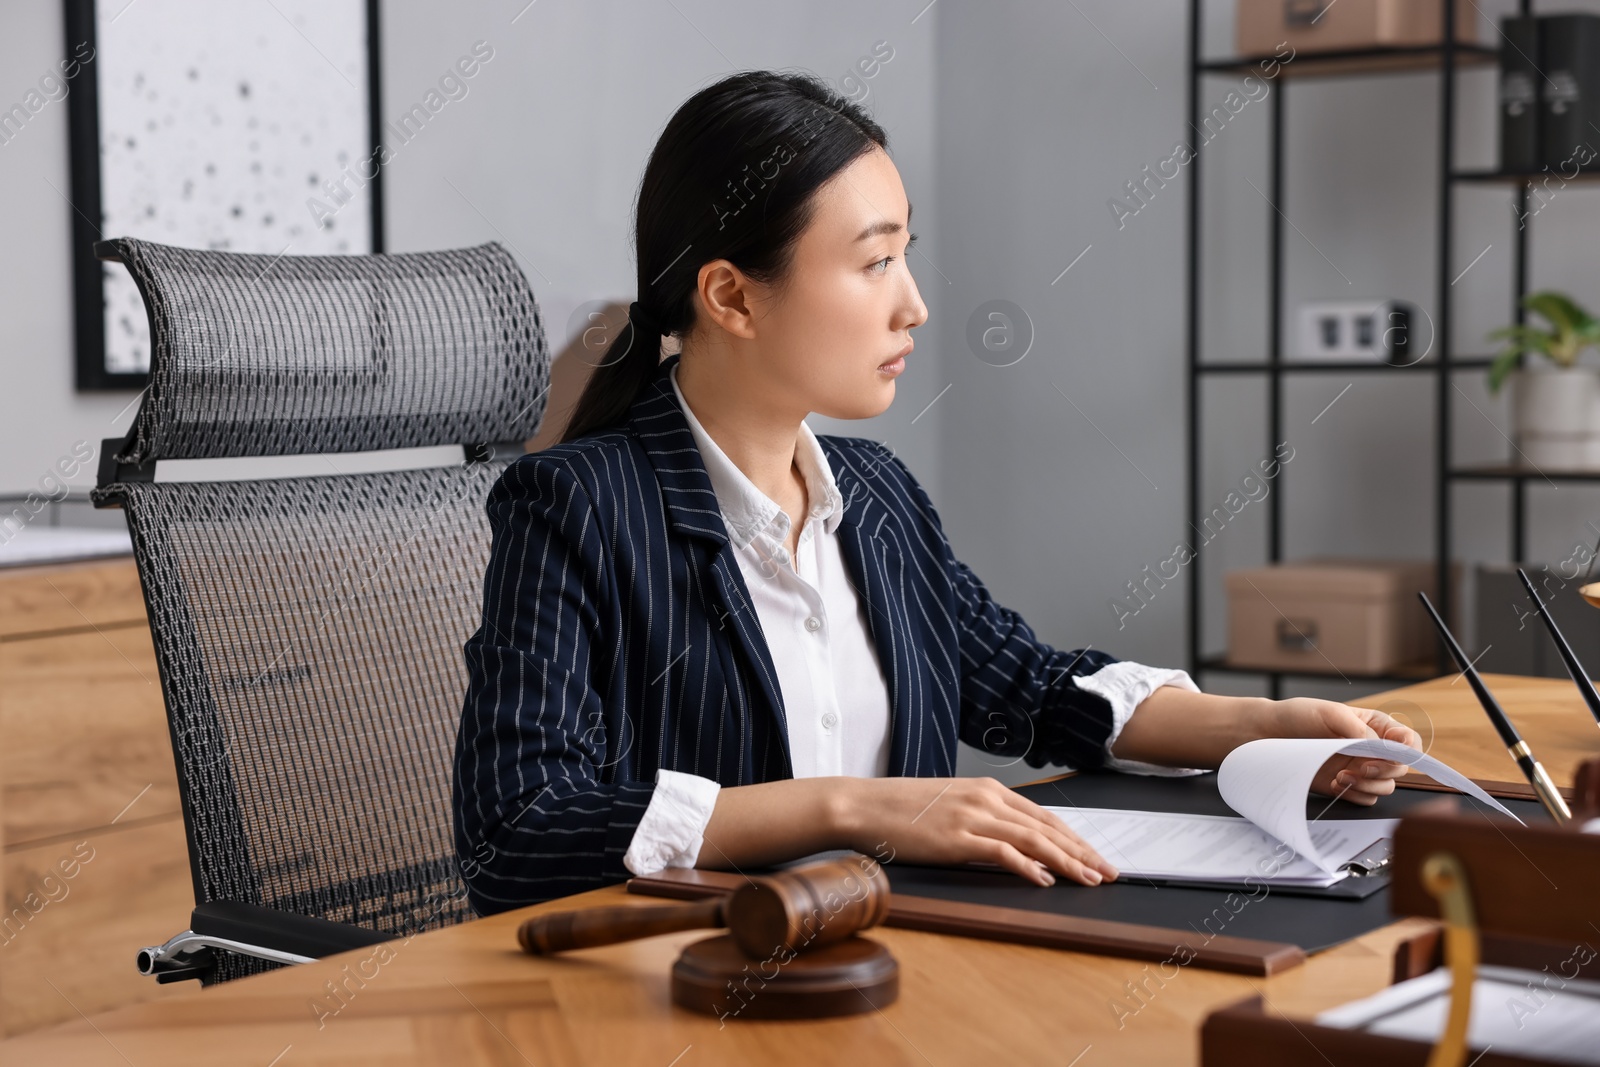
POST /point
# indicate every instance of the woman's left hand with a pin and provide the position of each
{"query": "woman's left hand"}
(1361, 780)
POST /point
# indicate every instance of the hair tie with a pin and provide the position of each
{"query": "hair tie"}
(643, 320)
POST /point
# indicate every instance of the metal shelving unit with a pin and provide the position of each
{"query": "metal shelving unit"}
(1446, 58)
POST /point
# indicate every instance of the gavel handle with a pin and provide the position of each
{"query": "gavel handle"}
(589, 927)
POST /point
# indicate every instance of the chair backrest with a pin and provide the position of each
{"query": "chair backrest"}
(308, 629)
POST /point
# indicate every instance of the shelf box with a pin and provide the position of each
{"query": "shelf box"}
(1312, 26)
(1330, 615)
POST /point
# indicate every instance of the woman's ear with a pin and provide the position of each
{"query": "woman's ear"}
(727, 298)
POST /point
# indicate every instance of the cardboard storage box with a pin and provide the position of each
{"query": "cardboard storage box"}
(1354, 616)
(1324, 26)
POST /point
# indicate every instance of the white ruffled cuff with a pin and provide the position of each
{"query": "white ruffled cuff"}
(1125, 684)
(674, 823)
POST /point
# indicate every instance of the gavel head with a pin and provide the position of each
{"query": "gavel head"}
(807, 907)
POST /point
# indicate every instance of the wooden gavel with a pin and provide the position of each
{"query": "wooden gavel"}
(795, 910)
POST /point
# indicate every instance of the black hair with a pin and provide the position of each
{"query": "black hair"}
(733, 176)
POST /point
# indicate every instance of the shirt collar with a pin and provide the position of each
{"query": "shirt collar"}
(748, 511)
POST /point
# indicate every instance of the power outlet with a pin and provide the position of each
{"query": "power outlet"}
(1377, 330)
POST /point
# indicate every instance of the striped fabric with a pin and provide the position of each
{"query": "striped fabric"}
(618, 638)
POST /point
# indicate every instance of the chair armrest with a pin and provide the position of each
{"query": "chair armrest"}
(281, 931)
(249, 930)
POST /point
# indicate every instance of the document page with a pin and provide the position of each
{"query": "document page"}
(1539, 1014)
(1267, 781)
(1210, 848)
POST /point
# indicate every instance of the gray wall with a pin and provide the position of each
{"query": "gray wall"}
(1359, 199)
(1063, 474)
(41, 417)
(1059, 477)
(547, 151)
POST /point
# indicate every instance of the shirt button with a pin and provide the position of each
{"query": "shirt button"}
(829, 720)
(781, 555)
(813, 624)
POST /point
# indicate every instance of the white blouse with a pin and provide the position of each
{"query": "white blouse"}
(834, 693)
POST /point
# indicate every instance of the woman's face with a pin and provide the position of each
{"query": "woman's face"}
(849, 303)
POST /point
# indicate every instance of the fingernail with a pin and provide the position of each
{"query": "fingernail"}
(1093, 877)
(1049, 879)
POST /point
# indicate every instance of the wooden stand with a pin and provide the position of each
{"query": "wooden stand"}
(1518, 896)
(793, 949)
(854, 975)
(1102, 937)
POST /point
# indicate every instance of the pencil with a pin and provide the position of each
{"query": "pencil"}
(1518, 749)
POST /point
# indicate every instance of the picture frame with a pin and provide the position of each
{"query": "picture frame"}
(137, 150)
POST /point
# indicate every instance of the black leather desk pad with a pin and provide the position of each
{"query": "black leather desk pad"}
(1312, 919)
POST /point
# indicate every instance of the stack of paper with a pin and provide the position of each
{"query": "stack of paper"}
(1217, 848)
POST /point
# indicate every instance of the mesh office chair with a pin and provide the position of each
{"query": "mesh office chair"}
(308, 628)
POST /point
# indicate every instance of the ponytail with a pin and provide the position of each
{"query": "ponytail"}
(629, 364)
(733, 176)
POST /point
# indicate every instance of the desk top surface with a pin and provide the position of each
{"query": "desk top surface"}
(468, 995)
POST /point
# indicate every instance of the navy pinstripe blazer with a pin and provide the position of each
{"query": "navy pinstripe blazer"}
(618, 637)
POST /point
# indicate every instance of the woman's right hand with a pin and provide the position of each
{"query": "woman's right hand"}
(947, 821)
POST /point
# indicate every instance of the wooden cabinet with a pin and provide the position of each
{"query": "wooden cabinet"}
(94, 864)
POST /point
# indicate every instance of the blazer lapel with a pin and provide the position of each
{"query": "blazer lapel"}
(737, 615)
(691, 508)
(877, 569)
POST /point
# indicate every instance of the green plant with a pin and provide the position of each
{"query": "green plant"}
(1572, 329)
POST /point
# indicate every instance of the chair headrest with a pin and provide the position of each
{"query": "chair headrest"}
(261, 355)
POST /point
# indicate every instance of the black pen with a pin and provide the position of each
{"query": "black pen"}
(1549, 795)
(1574, 668)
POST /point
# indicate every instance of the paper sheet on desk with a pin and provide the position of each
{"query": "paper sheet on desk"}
(1267, 781)
(1216, 848)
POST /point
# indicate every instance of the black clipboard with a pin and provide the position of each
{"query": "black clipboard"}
(1198, 795)
(1311, 918)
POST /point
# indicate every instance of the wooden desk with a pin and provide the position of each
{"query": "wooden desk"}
(1547, 711)
(467, 995)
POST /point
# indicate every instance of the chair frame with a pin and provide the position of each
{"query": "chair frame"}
(220, 927)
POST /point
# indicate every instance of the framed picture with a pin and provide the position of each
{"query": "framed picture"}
(238, 127)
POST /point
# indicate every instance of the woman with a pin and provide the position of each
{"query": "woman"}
(712, 638)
